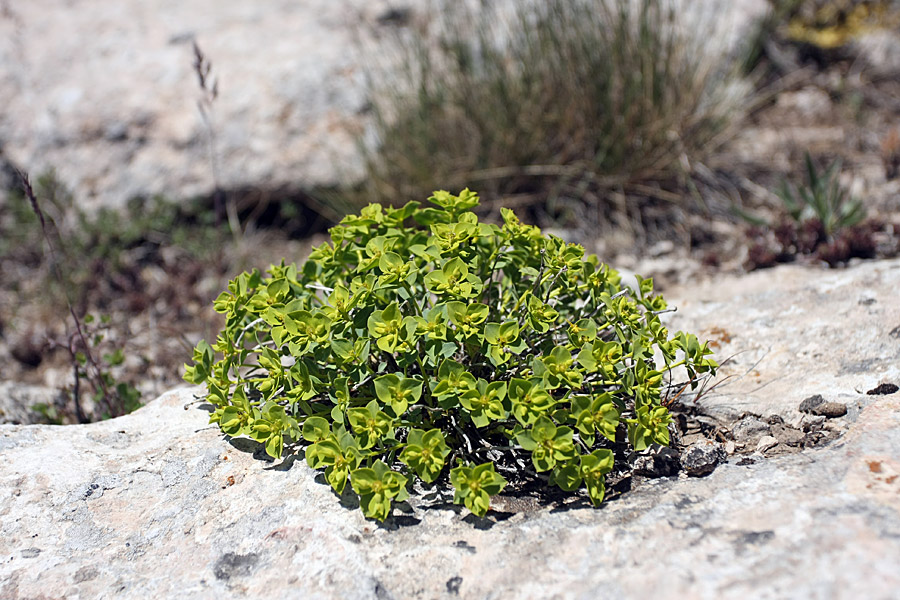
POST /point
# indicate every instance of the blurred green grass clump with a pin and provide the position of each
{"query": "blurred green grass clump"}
(553, 103)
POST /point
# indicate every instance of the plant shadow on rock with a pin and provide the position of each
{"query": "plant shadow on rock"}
(257, 449)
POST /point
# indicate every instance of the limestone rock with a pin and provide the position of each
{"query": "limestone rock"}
(19, 402)
(881, 49)
(787, 435)
(105, 92)
(794, 332)
(749, 429)
(808, 423)
(701, 458)
(160, 504)
(663, 462)
(767, 442)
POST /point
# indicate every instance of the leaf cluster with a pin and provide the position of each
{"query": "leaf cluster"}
(421, 344)
(819, 218)
(822, 198)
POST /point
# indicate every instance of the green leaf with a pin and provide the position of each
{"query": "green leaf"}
(567, 476)
(650, 426)
(594, 467)
(369, 423)
(337, 458)
(323, 453)
(547, 443)
(559, 369)
(425, 453)
(540, 315)
(529, 400)
(582, 332)
(398, 392)
(453, 279)
(278, 289)
(475, 485)
(485, 402)
(315, 429)
(390, 261)
(596, 415)
(453, 379)
(377, 486)
(275, 445)
(235, 421)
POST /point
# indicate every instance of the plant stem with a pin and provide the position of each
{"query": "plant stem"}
(97, 380)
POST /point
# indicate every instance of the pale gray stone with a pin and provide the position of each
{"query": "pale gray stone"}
(766, 442)
(18, 402)
(793, 332)
(809, 404)
(749, 429)
(659, 462)
(787, 435)
(106, 93)
(818, 521)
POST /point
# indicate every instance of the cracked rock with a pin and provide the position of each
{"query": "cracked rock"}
(787, 435)
(808, 423)
(702, 458)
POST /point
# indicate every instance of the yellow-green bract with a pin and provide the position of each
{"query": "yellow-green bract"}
(423, 344)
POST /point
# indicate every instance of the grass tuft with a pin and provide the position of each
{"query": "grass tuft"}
(552, 104)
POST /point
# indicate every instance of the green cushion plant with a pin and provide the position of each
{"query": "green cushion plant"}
(422, 344)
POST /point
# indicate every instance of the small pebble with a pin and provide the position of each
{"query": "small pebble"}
(810, 403)
(702, 458)
(884, 389)
(813, 423)
(729, 447)
(765, 443)
(830, 410)
(787, 435)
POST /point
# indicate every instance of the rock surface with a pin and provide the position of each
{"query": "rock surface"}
(701, 458)
(159, 504)
(750, 429)
(105, 92)
(809, 404)
(18, 401)
(786, 334)
(660, 462)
